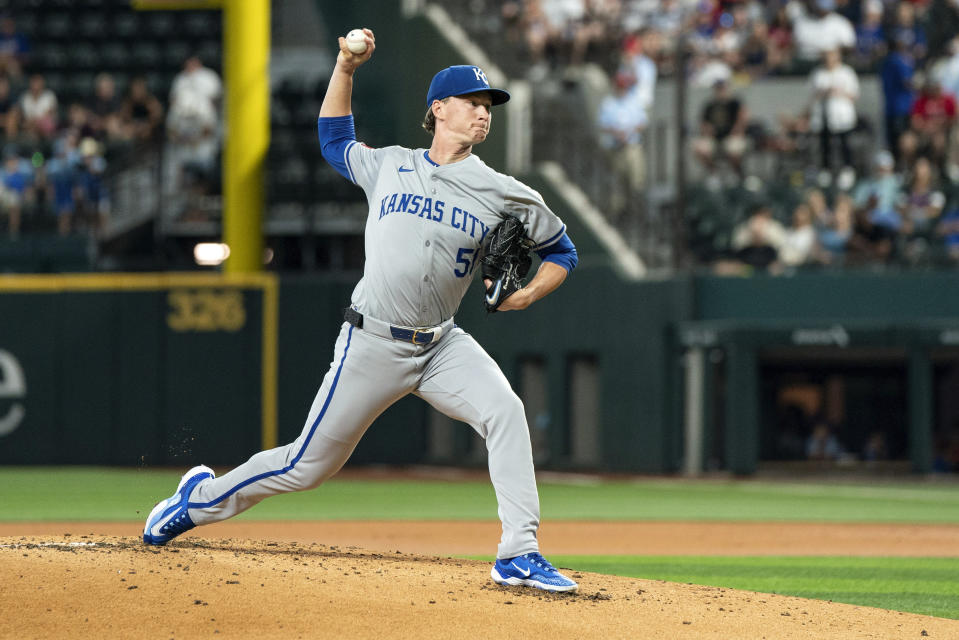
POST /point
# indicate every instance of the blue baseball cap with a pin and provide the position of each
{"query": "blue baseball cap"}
(459, 80)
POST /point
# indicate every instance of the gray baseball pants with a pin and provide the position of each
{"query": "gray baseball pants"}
(368, 374)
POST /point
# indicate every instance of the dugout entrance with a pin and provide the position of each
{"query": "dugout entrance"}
(866, 392)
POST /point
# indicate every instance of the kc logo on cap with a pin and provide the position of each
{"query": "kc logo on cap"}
(461, 79)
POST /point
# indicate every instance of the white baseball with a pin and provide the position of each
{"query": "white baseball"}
(356, 41)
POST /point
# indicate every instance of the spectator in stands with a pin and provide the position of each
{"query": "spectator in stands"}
(14, 48)
(700, 28)
(851, 10)
(948, 230)
(728, 40)
(920, 207)
(948, 74)
(586, 30)
(708, 71)
(621, 123)
(538, 34)
(105, 110)
(834, 229)
(815, 199)
(948, 69)
(9, 113)
(906, 29)
(823, 445)
(16, 189)
(61, 179)
(192, 143)
(39, 109)
(192, 127)
(876, 235)
(780, 50)
(896, 74)
(942, 25)
(931, 120)
(722, 131)
(755, 51)
(197, 81)
(875, 448)
(817, 29)
(835, 90)
(667, 20)
(559, 27)
(876, 199)
(799, 240)
(757, 240)
(870, 37)
(79, 121)
(92, 199)
(142, 113)
(636, 50)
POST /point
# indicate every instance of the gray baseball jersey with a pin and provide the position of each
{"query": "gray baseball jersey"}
(423, 238)
(425, 228)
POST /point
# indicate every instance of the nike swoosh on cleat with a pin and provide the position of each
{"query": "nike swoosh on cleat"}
(525, 572)
(404, 170)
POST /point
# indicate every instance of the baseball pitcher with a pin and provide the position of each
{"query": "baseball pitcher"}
(434, 215)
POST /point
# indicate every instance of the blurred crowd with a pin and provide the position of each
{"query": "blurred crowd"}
(56, 153)
(886, 197)
(723, 37)
(883, 220)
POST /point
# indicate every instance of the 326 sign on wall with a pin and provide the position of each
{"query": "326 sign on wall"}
(205, 310)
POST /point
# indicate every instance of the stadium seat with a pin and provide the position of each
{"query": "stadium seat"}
(210, 52)
(176, 52)
(146, 54)
(160, 24)
(279, 115)
(92, 25)
(115, 55)
(57, 25)
(80, 85)
(201, 24)
(126, 24)
(51, 56)
(26, 23)
(56, 82)
(84, 56)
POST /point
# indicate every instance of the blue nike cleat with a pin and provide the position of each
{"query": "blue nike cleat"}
(531, 570)
(171, 517)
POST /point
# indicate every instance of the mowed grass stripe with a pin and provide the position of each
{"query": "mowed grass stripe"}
(91, 493)
(917, 585)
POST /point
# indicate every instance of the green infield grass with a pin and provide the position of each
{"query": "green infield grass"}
(918, 585)
(90, 493)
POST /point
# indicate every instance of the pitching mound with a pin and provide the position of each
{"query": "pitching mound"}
(104, 586)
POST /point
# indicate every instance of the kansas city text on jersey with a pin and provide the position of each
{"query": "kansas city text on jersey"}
(426, 207)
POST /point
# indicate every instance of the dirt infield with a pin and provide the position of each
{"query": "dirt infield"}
(97, 580)
(567, 537)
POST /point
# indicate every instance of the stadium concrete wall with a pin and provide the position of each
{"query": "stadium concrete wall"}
(171, 372)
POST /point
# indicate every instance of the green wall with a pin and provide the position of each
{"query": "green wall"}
(625, 326)
(850, 295)
(110, 380)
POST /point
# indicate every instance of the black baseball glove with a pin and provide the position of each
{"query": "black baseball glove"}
(506, 261)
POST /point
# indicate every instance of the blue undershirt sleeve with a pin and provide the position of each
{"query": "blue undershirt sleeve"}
(561, 252)
(336, 135)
